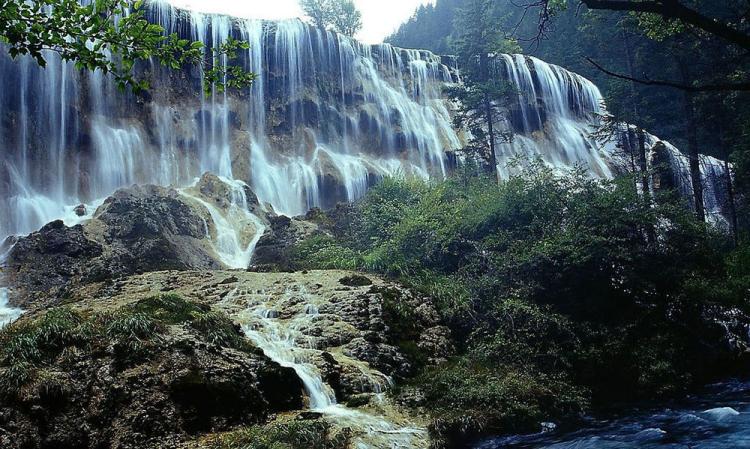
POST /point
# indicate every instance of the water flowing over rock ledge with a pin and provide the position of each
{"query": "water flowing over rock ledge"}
(325, 119)
(332, 332)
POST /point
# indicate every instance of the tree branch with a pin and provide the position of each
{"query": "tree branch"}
(720, 87)
(673, 9)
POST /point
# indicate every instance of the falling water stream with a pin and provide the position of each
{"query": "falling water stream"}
(236, 229)
(278, 329)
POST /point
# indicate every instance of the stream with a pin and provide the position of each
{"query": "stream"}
(275, 323)
(717, 418)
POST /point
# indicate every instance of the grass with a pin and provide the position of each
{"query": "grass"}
(33, 350)
(286, 435)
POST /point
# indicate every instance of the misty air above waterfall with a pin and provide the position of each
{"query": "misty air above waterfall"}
(505, 226)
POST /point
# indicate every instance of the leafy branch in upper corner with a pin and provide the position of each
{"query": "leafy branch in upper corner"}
(112, 36)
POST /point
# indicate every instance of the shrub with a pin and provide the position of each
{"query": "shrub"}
(552, 282)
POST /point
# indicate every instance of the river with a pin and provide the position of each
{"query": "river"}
(717, 418)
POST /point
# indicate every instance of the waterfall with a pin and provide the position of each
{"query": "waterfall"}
(268, 323)
(326, 118)
(554, 117)
(236, 230)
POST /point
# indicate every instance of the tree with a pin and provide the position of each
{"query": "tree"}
(319, 11)
(483, 94)
(660, 19)
(111, 36)
(339, 15)
(347, 19)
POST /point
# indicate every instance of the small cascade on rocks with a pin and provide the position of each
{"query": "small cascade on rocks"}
(234, 230)
(277, 324)
(8, 314)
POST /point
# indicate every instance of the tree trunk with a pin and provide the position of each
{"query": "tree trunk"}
(693, 154)
(484, 75)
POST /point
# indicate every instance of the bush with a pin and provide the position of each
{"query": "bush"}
(551, 282)
(322, 252)
(29, 347)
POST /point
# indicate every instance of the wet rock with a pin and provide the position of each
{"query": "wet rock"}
(80, 210)
(272, 253)
(436, 342)
(184, 386)
(45, 262)
(355, 280)
(383, 357)
(138, 229)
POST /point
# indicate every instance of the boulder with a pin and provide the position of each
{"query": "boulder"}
(185, 386)
(136, 230)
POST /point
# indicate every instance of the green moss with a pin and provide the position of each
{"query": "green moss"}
(29, 347)
(168, 309)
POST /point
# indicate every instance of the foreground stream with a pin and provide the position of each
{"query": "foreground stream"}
(718, 418)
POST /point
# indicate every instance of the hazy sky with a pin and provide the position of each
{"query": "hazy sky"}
(380, 17)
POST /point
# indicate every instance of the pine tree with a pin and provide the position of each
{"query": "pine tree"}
(482, 96)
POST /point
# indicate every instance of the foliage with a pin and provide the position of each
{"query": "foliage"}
(111, 36)
(282, 435)
(490, 400)
(553, 287)
(339, 15)
(31, 347)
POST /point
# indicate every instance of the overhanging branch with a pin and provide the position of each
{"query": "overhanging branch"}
(719, 87)
(673, 9)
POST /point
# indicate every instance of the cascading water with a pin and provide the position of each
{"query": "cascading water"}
(556, 118)
(7, 313)
(270, 324)
(325, 117)
(236, 230)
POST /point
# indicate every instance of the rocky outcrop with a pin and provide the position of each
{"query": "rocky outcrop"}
(356, 341)
(97, 391)
(272, 251)
(138, 229)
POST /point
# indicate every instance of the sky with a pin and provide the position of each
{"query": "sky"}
(380, 17)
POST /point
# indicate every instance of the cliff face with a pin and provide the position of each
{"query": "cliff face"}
(326, 117)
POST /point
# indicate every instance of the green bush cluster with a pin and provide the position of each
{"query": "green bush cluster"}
(32, 350)
(556, 285)
(282, 435)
